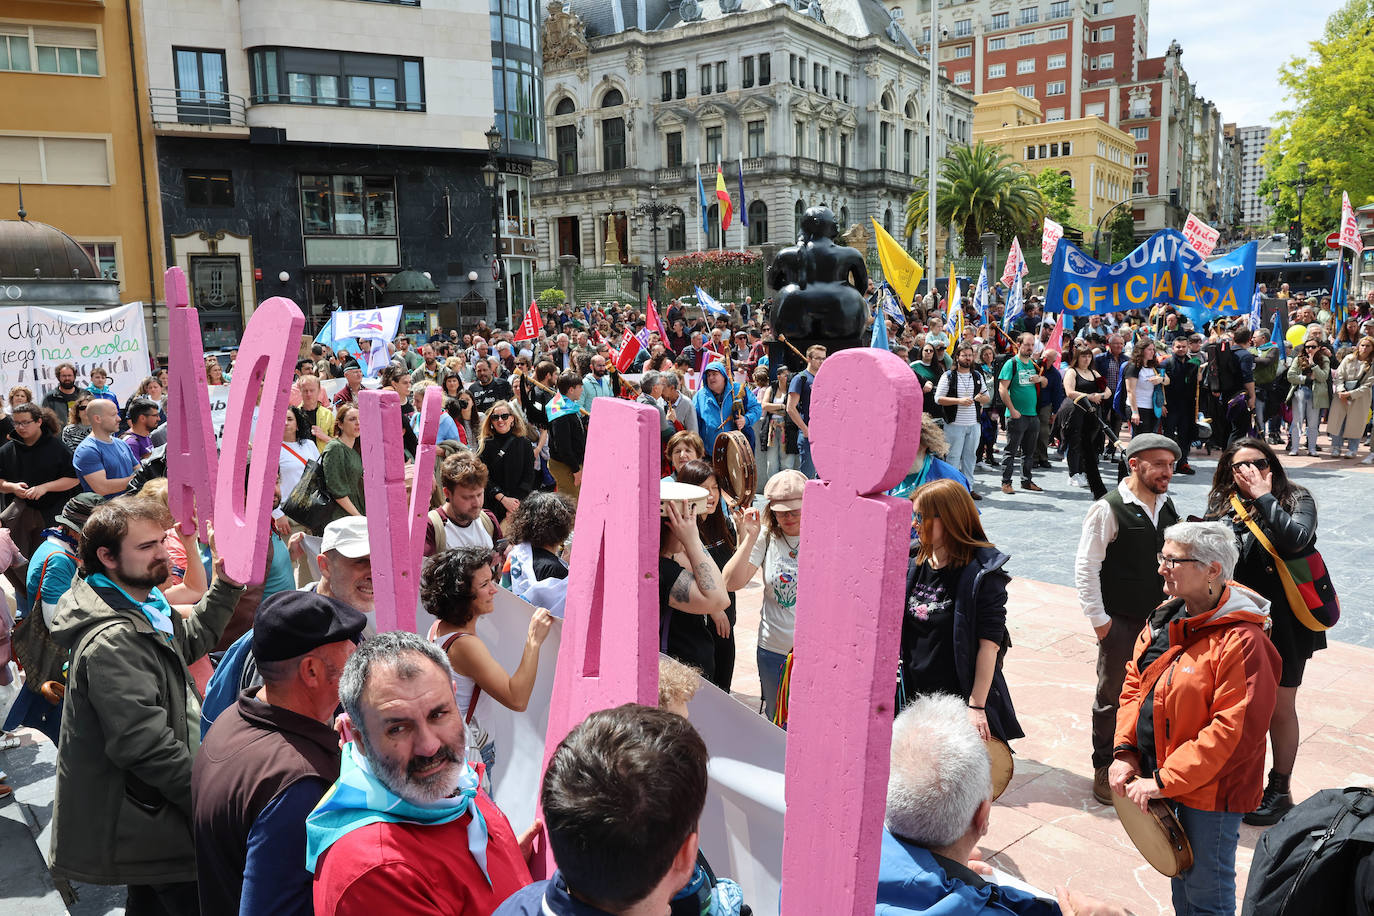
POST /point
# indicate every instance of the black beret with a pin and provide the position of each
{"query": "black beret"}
(292, 623)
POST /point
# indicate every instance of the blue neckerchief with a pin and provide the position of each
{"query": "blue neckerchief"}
(60, 533)
(99, 392)
(156, 608)
(359, 798)
(913, 480)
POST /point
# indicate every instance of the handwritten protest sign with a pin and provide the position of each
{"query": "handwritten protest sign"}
(1201, 236)
(35, 341)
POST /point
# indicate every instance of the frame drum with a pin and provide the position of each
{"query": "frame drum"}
(999, 754)
(1157, 834)
(733, 461)
(672, 491)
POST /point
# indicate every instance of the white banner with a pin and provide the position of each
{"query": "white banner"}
(1201, 236)
(1049, 238)
(741, 827)
(219, 405)
(34, 341)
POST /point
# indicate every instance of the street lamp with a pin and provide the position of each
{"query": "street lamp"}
(1099, 236)
(1300, 191)
(655, 210)
(493, 179)
(990, 240)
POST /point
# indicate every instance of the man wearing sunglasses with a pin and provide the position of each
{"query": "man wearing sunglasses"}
(1117, 577)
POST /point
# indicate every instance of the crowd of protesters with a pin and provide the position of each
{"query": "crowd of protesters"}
(262, 812)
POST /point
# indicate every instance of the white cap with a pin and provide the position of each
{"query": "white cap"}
(348, 536)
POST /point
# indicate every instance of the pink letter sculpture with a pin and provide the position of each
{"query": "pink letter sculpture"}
(191, 457)
(609, 651)
(852, 561)
(262, 382)
(395, 530)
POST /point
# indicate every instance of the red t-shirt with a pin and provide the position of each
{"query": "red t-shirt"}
(408, 868)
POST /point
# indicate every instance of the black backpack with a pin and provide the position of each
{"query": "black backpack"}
(1318, 859)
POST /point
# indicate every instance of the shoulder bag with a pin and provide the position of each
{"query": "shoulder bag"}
(1306, 582)
(33, 647)
(309, 503)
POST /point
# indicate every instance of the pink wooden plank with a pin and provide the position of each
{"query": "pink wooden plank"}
(852, 563)
(192, 461)
(262, 382)
(609, 651)
(395, 529)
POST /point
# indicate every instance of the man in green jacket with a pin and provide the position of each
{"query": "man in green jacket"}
(131, 718)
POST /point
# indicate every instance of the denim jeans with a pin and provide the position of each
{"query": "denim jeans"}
(804, 463)
(770, 678)
(1022, 433)
(1209, 887)
(963, 446)
(1304, 413)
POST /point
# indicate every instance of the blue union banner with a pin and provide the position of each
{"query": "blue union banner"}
(1164, 269)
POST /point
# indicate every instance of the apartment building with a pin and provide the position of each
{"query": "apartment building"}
(1257, 210)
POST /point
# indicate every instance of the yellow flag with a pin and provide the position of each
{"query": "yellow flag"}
(956, 309)
(900, 269)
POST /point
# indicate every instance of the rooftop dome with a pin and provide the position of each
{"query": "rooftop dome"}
(410, 287)
(27, 246)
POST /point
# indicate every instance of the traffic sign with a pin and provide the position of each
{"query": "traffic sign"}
(1333, 241)
(663, 265)
(495, 269)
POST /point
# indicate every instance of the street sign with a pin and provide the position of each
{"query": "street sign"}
(1333, 241)
(663, 265)
(495, 269)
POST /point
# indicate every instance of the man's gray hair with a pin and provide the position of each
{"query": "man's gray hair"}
(396, 649)
(1209, 542)
(940, 772)
(648, 380)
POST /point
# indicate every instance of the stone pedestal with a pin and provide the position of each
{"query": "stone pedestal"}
(566, 263)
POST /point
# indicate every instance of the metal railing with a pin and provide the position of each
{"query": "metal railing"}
(193, 106)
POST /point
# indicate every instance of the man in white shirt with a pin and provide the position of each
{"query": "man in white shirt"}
(1116, 573)
(962, 395)
(461, 521)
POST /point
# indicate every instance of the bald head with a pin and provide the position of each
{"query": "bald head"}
(103, 417)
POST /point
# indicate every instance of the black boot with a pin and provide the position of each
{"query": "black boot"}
(1275, 803)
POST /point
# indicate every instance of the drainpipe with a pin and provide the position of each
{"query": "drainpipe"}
(142, 171)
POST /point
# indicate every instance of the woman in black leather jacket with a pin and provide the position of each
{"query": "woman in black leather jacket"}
(1287, 514)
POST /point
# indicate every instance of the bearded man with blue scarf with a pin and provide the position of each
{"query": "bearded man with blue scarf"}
(406, 829)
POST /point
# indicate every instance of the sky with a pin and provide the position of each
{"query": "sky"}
(1232, 48)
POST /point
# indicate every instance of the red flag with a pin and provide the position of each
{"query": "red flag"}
(653, 323)
(726, 208)
(529, 328)
(629, 349)
(1056, 341)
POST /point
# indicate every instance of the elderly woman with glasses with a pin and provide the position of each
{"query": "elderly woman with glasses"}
(1195, 707)
(1307, 373)
(509, 458)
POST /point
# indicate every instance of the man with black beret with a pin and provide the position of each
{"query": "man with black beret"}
(269, 760)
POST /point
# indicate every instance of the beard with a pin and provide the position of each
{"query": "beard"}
(151, 577)
(400, 779)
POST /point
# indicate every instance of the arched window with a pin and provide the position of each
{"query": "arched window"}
(565, 106)
(844, 219)
(713, 226)
(887, 220)
(797, 212)
(677, 232)
(613, 143)
(612, 98)
(911, 111)
(758, 223)
(887, 101)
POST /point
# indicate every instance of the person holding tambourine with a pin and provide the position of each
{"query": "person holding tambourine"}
(1195, 706)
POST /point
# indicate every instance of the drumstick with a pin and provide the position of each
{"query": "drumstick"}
(784, 339)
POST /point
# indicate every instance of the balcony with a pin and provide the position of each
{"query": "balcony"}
(188, 111)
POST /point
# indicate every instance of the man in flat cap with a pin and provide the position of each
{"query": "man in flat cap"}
(269, 759)
(1117, 576)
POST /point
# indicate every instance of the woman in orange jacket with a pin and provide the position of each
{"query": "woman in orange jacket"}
(1200, 688)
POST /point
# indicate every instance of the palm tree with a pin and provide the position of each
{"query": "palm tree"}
(979, 188)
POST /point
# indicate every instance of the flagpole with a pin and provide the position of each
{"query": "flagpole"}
(720, 211)
(743, 229)
(702, 218)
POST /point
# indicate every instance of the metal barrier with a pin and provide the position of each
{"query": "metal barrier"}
(194, 106)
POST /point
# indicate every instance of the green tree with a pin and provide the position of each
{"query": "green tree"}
(980, 188)
(1057, 191)
(1329, 125)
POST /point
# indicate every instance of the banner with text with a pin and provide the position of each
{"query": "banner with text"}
(1201, 236)
(37, 340)
(1164, 269)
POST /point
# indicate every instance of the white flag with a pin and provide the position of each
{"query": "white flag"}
(1053, 232)
(1350, 233)
(1201, 236)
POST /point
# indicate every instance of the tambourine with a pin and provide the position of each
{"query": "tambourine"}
(1156, 833)
(672, 491)
(1003, 769)
(736, 473)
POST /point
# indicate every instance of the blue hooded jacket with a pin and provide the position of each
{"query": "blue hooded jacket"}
(716, 415)
(911, 881)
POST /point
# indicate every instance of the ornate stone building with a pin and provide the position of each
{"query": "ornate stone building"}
(814, 101)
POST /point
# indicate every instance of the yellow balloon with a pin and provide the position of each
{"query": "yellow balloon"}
(1296, 335)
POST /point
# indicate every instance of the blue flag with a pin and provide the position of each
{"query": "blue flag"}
(981, 293)
(891, 306)
(327, 338)
(1279, 332)
(701, 194)
(879, 339)
(709, 304)
(743, 201)
(1338, 291)
(1014, 304)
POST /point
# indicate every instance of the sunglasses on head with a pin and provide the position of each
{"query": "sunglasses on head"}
(1259, 464)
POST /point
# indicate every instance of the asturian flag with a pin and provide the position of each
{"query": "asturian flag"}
(709, 304)
(1014, 304)
(981, 292)
(891, 306)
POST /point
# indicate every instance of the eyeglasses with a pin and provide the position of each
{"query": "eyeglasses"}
(1172, 562)
(920, 517)
(1311, 348)
(786, 513)
(19, 423)
(1259, 464)
(498, 417)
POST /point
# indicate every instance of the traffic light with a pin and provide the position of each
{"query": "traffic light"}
(1294, 241)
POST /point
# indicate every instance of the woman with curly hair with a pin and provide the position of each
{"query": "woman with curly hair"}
(537, 532)
(457, 587)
